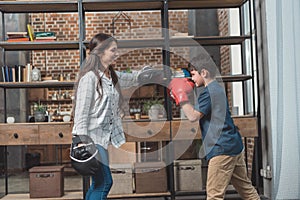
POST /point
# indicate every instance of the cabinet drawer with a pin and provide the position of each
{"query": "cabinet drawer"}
(184, 129)
(55, 134)
(147, 131)
(15, 134)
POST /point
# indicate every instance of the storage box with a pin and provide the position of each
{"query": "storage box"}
(150, 177)
(46, 181)
(188, 176)
(122, 179)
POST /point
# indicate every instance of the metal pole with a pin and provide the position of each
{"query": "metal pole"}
(257, 142)
(168, 105)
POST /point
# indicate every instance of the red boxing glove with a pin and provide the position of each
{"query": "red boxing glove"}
(180, 88)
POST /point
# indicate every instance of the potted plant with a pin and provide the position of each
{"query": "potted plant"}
(39, 112)
(153, 107)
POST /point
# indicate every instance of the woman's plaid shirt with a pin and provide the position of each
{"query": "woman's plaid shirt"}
(100, 119)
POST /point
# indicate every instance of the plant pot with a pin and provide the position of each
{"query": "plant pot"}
(39, 116)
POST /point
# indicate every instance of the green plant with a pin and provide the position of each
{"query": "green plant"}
(37, 107)
(148, 103)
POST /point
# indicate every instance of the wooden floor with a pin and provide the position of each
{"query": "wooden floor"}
(67, 196)
(78, 196)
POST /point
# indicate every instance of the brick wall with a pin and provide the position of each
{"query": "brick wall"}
(129, 25)
(141, 25)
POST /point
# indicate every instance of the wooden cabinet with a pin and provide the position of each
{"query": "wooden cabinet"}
(19, 134)
(138, 131)
(35, 134)
(154, 131)
(55, 134)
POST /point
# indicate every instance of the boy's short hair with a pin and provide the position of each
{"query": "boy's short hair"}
(203, 61)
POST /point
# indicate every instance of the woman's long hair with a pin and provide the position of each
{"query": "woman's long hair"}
(97, 45)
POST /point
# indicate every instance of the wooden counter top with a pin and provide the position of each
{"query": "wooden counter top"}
(136, 131)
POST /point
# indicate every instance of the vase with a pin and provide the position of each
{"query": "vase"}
(39, 116)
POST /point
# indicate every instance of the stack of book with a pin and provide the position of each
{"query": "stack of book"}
(44, 36)
(40, 36)
(18, 73)
(17, 36)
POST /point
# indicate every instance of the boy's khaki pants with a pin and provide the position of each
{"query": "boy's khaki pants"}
(223, 169)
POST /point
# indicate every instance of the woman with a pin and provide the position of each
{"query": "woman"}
(97, 106)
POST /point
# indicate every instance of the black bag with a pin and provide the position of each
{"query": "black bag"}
(85, 158)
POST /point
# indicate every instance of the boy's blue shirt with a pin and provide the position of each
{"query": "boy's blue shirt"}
(219, 134)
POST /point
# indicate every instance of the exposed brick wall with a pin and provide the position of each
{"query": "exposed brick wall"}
(141, 25)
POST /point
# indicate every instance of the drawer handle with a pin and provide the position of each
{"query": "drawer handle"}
(193, 130)
(150, 170)
(115, 171)
(149, 132)
(16, 135)
(44, 175)
(61, 135)
(187, 168)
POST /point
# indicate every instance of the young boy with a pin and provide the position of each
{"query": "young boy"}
(222, 143)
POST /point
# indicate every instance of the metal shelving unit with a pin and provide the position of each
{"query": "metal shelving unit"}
(165, 42)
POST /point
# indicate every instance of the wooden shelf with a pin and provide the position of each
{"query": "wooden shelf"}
(234, 78)
(36, 45)
(207, 40)
(118, 5)
(121, 5)
(180, 41)
(204, 4)
(38, 6)
(128, 43)
(53, 101)
(111, 5)
(68, 84)
(51, 84)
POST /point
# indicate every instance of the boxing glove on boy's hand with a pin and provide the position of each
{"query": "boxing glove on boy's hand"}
(180, 88)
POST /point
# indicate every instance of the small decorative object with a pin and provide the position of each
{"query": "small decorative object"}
(154, 108)
(10, 120)
(39, 113)
(66, 118)
(54, 96)
(35, 74)
(154, 111)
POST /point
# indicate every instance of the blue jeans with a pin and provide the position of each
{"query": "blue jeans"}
(102, 181)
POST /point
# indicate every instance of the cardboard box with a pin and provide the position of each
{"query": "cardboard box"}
(150, 177)
(122, 179)
(188, 175)
(46, 181)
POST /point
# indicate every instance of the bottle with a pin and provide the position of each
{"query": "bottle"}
(54, 96)
(61, 76)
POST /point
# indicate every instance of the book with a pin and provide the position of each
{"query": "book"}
(6, 73)
(16, 33)
(46, 38)
(18, 39)
(30, 32)
(19, 72)
(44, 34)
(3, 73)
